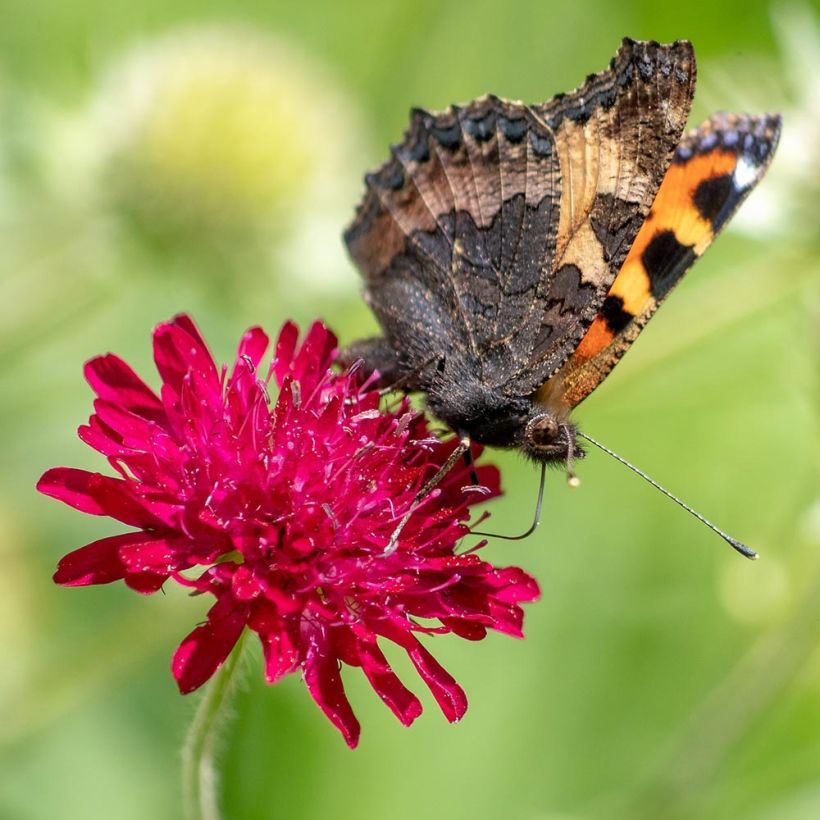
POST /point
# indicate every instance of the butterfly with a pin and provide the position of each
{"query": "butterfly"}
(512, 253)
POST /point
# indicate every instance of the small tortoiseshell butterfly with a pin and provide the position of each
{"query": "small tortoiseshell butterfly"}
(512, 253)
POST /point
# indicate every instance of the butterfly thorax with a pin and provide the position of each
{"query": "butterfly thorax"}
(489, 417)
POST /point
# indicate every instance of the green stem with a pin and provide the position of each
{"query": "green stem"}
(199, 780)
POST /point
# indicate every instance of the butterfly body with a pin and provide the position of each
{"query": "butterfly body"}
(457, 395)
(512, 253)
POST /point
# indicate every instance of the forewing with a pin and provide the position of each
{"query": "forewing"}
(714, 168)
(615, 136)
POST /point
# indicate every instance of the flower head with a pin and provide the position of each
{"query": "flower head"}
(217, 133)
(289, 506)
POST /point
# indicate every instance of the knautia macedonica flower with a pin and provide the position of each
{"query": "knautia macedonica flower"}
(289, 504)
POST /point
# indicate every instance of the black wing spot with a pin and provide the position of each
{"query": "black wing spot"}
(664, 259)
(609, 97)
(541, 145)
(513, 129)
(712, 195)
(448, 136)
(614, 315)
(419, 151)
(394, 178)
(481, 128)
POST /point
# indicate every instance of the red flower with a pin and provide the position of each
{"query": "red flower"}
(290, 508)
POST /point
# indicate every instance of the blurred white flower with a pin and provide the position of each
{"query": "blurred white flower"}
(788, 200)
(222, 136)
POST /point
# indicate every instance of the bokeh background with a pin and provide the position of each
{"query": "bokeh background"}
(204, 156)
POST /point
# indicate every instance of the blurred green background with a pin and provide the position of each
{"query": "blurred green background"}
(204, 156)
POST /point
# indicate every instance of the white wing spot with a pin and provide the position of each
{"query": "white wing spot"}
(746, 173)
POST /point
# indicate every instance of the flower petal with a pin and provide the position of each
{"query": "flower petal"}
(135, 431)
(146, 583)
(515, 585)
(96, 563)
(101, 495)
(252, 345)
(279, 643)
(322, 678)
(507, 618)
(205, 649)
(314, 357)
(180, 350)
(186, 323)
(163, 555)
(114, 381)
(72, 487)
(401, 701)
(448, 694)
(101, 437)
(469, 630)
(285, 347)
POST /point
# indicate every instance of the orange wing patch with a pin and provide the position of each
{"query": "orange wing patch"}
(715, 167)
(673, 211)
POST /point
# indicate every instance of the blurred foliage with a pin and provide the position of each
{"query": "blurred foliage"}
(204, 156)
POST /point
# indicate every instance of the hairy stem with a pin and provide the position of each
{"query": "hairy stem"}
(199, 778)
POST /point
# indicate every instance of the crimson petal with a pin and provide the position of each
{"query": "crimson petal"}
(113, 380)
(252, 345)
(448, 694)
(313, 357)
(98, 494)
(72, 487)
(205, 649)
(96, 563)
(322, 678)
(186, 323)
(401, 701)
(177, 352)
(285, 347)
(279, 643)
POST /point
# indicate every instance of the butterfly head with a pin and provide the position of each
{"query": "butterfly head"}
(547, 438)
(489, 417)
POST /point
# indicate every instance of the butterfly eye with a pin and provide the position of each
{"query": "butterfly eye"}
(542, 431)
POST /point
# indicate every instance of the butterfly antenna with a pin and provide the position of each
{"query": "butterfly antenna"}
(735, 544)
(536, 519)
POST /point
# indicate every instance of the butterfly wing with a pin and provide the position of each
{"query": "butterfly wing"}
(615, 137)
(495, 229)
(714, 168)
(453, 229)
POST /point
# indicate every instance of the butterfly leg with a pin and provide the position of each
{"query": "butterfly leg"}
(461, 448)
(377, 355)
(470, 464)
